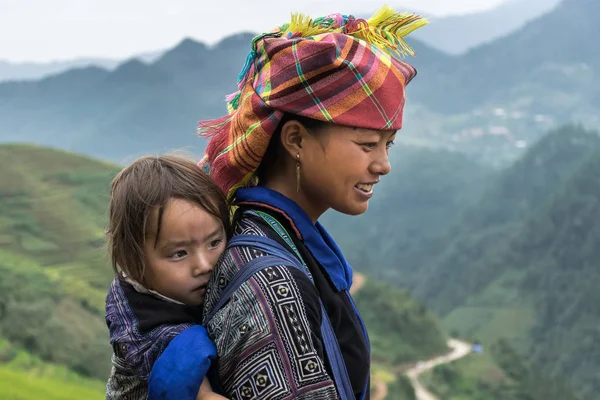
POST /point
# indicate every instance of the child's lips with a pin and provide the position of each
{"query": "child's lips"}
(200, 288)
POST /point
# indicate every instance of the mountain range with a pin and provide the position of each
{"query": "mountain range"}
(453, 34)
(456, 102)
(21, 71)
(458, 34)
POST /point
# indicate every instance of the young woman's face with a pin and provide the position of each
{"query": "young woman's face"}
(339, 167)
(179, 262)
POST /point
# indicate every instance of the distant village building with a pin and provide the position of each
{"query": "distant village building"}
(470, 133)
(499, 112)
(499, 131)
(517, 115)
(520, 144)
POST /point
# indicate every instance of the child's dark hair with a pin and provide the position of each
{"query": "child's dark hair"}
(147, 183)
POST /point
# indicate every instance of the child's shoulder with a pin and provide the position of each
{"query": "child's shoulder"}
(141, 325)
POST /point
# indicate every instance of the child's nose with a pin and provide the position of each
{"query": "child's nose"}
(202, 265)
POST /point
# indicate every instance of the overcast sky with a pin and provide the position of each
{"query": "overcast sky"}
(49, 30)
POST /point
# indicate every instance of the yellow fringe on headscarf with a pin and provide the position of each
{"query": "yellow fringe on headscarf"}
(302, 25)
(386, 29)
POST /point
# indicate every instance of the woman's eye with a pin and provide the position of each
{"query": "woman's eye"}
(178, 254)
(370, 146)
(389, 144)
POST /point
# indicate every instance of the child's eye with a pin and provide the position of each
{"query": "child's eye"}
(177, 255)
(215, 243)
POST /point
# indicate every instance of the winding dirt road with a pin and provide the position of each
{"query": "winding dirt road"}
(459, 349)
(358, 281)
(381, 390)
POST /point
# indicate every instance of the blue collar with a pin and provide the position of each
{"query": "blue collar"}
(315, 237)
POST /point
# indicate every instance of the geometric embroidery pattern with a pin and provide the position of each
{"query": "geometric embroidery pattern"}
(262, 334)
(262, 376)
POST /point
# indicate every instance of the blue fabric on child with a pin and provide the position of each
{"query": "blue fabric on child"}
(179, 371)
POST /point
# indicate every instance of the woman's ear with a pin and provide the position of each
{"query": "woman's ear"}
(293, 136)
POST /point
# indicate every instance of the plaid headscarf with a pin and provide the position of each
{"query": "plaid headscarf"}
(336, 69)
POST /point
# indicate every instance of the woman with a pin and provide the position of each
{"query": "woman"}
(317, 110)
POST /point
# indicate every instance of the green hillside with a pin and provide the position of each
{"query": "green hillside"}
(54, 273)
(497, 374)
(401, 330)
(469, 257)
(522, 264)
(53, 206)
(26, 377)
(532, 284)
(55, 276)
(558, 249)
(24, 386)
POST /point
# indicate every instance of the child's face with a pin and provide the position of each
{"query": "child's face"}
(189, 245)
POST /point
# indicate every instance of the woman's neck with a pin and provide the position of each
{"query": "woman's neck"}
(283, 187)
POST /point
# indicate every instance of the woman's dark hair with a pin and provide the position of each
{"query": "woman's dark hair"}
(149, 183)
(274, 150)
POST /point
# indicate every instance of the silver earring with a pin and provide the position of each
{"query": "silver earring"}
(298, 173)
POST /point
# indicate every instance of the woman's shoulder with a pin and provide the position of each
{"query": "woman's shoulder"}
(236, 258)
(248, 222)
(278, 304)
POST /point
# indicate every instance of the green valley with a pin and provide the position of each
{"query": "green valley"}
(26, 377)
(522, 263)
(55, 275)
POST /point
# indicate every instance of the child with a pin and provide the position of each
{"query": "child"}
(168, 226)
